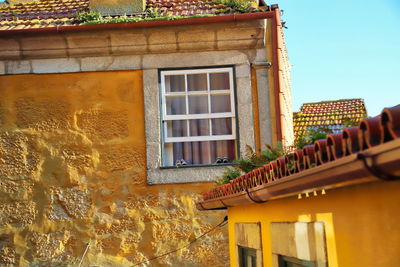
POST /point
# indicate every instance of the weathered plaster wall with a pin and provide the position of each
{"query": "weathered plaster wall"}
(73, 171)
(285, 94)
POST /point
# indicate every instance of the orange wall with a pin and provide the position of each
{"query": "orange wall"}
(73, 171)
(361, 223)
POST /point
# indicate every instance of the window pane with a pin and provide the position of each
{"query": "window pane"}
(219, 81)
(197, 82)
(177, 128)
(192, 152)
(220, 103)
(199, 127)
(176, 105)
(175, 83)
(198, 104)
(222, 126)
(225, 149)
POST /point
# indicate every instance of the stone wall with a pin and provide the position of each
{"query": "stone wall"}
(73, 172)
(77, 152)
(285, 93)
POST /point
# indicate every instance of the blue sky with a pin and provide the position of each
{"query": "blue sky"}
(344, 49)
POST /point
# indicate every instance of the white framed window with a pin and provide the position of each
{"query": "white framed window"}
(198, 116)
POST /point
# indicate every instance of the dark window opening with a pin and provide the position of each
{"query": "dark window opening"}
(247, 257)
(293, 262)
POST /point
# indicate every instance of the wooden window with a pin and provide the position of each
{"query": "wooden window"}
(285, 261)
(247, 257)
(198, 116)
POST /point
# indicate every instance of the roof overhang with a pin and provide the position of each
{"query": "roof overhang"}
(374, 164)
(144, 24)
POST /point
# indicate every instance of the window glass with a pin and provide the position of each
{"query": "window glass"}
(198, 104)
(219, 81)
(177, 128)
(197, 82)
(220, 103)
(199, 127)
(176, 105)
(205, 152)
(222, 126)
(175, 83)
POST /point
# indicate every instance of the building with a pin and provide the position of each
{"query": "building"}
(112, 125)
(333, 203)
(328, 115)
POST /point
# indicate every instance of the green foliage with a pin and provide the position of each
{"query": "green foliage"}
(89, 16)
(241, 6)
(312, 135)
(228, 175)
(347, 122)
(250, 161)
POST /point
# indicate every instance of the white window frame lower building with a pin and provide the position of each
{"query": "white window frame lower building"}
(187, 117)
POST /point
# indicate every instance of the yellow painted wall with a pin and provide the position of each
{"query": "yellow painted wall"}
(73, 171)
(361, 223)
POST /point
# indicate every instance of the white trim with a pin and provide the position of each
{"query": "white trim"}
(209, 93)
(198, 116)
(199, 138)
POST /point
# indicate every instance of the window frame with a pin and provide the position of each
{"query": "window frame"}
(164, 117)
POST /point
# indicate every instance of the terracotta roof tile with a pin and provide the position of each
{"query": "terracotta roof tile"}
(48, 13)
(330, 114)
(371, 132)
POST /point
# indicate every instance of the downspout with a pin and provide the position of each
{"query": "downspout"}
(276, 27)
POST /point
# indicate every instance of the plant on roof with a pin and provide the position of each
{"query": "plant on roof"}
(312, 135)
(252, 160)
(241, 6)
(86, 16)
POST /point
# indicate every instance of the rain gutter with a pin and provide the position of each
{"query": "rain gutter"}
(143, 24)
(379, 163)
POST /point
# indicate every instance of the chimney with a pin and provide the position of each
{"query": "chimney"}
(117, 7)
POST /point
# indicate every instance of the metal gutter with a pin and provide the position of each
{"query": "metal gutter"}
(350, 170)
(276, 25)
(144, 24)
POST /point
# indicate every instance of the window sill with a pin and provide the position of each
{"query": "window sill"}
(198, 166)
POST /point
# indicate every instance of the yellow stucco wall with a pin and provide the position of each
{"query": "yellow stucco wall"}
(361, 223)
(73, 171)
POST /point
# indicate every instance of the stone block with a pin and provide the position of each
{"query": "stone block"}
(17, 213)
(18, 156)
(243, 71)
(104, 125)
(126, 63)
(9, 48)
(196, 40)
(244, 91)
(132, 43)
(42, 115)
(43, 47)
(240, 44)
(96, 63)
(177, 60)
(239, 33)
(115, 158)
(67, 203)
(55, 65)
(111, 63)
(162, 42)
(2, 67)
(18, 67)
(86, 44)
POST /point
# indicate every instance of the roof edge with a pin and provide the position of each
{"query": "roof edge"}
(143, 24)
(343, 172)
